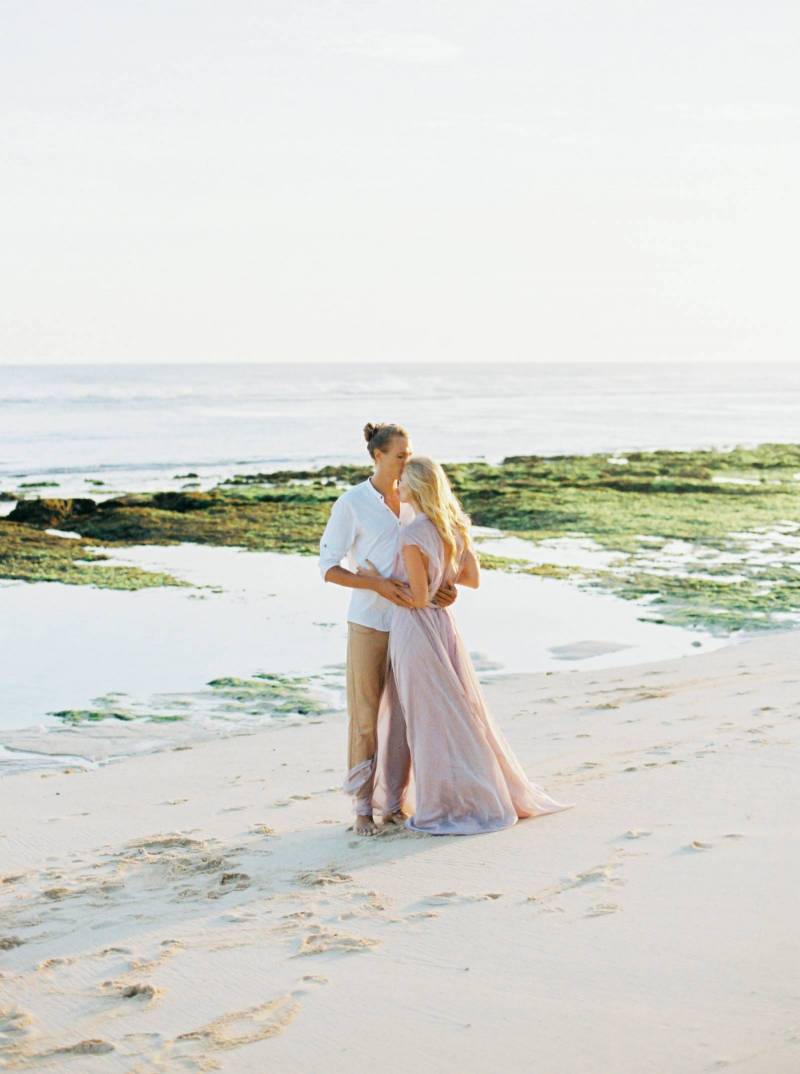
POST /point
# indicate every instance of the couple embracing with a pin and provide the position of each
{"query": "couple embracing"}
(423, 749)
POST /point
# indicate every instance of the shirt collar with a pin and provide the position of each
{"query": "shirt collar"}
(374, 491)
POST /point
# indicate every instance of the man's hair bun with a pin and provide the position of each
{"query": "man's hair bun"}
(378, 437)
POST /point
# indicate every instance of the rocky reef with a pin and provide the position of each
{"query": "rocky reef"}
(265, 695)
(706, 538)
(30, 554)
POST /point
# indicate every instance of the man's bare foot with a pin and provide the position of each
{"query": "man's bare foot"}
(398, 817)
(365, 826)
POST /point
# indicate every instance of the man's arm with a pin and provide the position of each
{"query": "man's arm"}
(337, 540)
(396, 592)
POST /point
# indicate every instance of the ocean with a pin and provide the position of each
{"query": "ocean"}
(135, 426)
(144, 427)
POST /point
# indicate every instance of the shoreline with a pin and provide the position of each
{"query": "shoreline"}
(206, 908)
(710, 539)
(597, 560)
(130, 671)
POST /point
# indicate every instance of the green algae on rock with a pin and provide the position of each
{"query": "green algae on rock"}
(28, 554)
(76, 716)
(707, 534)
(277, 520)
(223, 701)
(50, 512)
(270, 694)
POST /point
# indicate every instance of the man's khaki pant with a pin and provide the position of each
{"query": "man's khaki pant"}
(367, 654)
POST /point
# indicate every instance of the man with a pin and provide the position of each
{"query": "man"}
(363, 528)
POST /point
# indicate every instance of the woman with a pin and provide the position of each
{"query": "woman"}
(433, 720)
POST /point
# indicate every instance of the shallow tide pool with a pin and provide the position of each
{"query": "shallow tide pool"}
(66, 646)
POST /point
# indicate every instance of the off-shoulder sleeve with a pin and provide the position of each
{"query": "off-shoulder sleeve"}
(422, 533)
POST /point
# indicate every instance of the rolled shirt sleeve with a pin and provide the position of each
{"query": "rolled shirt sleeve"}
(338, 538)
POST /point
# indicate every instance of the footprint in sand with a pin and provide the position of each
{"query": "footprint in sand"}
(52, 963)
(291, 924)
(601, 909)
(145, 992)
(636, 833)
(236, 1028)
(56, 893)
(449, 898)
(700, 845)
(598, 874)
(237, 881)
(8, 942)
(323, 877)
(370, 908)
(320, 941)
(262, 829)
(309, 983)
(14, 1022)
(85, 1047)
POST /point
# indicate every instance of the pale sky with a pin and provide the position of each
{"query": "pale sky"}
(394, 180)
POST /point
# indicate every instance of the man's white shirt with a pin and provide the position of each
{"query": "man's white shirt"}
(363, 527)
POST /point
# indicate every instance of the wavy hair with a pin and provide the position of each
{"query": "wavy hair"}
(430, 488)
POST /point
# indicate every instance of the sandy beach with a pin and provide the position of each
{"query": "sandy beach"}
(281, 278)
(205, 907)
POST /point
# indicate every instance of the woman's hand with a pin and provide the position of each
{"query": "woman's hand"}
(369, 571)
(445, 596)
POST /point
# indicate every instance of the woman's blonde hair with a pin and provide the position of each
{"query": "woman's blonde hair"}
(430, 488)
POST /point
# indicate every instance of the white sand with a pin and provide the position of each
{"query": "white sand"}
(652, 928)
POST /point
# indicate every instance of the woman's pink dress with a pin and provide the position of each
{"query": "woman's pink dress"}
(435, 733)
